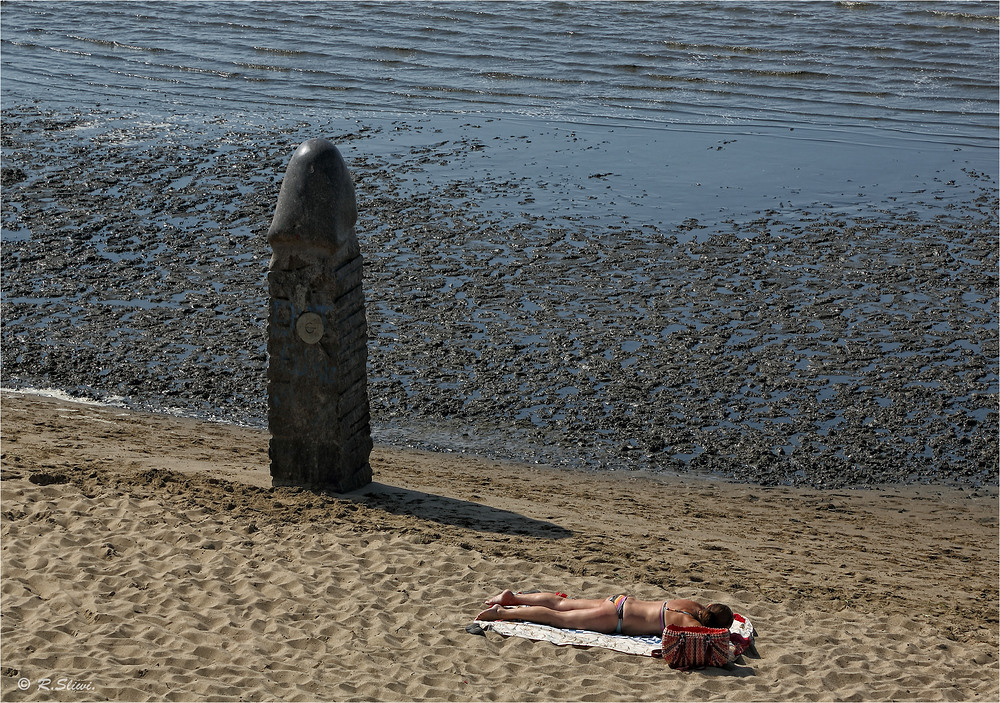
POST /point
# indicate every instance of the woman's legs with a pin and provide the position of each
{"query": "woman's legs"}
(553, 609)
(552, 601)
(599, 618)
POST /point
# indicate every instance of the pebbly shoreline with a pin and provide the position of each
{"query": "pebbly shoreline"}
(835, 348)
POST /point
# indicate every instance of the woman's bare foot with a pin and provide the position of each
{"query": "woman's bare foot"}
(491, 614)
(505, 598)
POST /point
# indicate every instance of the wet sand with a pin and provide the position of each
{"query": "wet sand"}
(802, 342)
(145, 557)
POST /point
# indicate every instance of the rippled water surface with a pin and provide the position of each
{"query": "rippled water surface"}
(800, 97)
(916, 68)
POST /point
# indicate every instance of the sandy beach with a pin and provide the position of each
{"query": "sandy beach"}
(146, 557)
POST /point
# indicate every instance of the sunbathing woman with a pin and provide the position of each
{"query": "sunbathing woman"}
(617, 614)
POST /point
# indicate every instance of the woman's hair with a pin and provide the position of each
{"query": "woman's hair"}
(716, 615)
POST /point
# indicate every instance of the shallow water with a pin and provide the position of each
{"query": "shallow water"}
(698, 108)
(720, 243)
(912, 68)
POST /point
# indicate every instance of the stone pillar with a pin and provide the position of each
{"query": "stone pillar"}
(317, 333)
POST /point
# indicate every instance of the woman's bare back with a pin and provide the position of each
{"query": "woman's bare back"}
(643, 617)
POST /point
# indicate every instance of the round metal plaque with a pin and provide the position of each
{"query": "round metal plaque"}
(309, 327)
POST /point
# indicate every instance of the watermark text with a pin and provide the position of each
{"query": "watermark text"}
(63, 683)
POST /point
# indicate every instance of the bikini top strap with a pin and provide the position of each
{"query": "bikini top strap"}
(672, 610)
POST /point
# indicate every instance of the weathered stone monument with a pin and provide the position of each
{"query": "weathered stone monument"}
(317, 343)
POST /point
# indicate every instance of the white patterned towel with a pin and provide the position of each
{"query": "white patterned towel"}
(741, 635)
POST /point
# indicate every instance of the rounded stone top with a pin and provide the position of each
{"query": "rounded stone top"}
(316, 204)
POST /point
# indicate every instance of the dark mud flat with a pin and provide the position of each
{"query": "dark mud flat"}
(833, 348)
